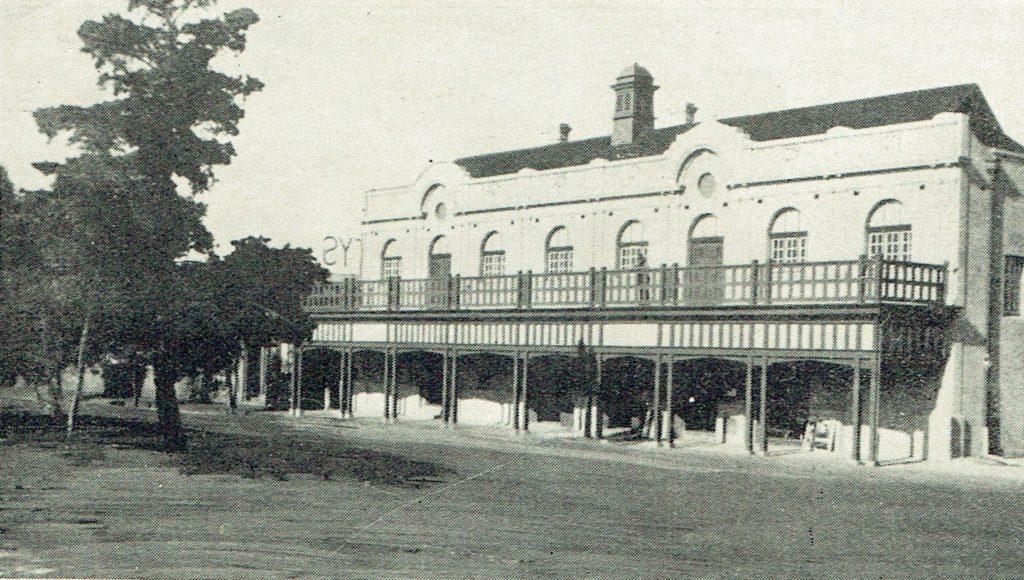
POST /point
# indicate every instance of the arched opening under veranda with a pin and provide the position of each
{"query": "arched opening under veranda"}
(626, 396)
(553, 389)
(420, 379)
(809, 406)
(321, 376)
(484, 388)
(708, 400)
(368, 393)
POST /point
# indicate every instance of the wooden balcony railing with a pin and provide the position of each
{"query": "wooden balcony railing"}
(758, 283)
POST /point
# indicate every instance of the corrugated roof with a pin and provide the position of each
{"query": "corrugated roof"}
(879, 112)
(568, 154)
(799, 122)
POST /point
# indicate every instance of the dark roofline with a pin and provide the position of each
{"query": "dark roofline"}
(880, 111)
(849, 102)
(791, 123)
(569, 153)
(535, 148)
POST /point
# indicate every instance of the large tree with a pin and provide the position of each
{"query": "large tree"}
(261, 294)
(18, 346)
(170, 119)
(39, 295)
(251, 298)
(8, 248)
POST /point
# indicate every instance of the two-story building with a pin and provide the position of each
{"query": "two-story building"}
(845, 275)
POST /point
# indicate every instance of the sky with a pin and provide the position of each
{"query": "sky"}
(366, 94)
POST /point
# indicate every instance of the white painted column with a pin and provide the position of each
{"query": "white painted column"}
(243, 375)
(524, 409)
(261, 396)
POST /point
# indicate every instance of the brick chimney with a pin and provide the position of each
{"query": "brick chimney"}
(691, 113)
(563, 132)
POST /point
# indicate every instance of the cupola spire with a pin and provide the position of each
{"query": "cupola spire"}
(634, 105)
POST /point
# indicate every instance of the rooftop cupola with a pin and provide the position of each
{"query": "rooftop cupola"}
(634, 105)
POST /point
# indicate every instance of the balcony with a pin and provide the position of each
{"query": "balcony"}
(754, 284)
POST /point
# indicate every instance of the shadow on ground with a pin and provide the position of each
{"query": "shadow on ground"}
(210, 453)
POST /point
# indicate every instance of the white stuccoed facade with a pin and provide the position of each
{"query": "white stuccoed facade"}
(834, 180)
(937, 170)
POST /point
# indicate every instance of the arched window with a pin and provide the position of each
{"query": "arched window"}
(787, 238)
(631, 247)
(492, 255)
(558, 251)
(390, 261)
(888, 232)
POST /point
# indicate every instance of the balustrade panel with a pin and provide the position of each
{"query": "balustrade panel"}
(373, 294)
(637, 287)
(489, 292)
(567, 290)
(809, 282)
(848, 281)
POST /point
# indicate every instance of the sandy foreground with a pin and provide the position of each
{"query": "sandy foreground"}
(506, 507)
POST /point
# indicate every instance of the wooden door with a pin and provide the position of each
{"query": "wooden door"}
(705, 279)
(439, 270)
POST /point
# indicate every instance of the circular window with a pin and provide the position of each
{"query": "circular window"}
(706, 185)
(441, 211)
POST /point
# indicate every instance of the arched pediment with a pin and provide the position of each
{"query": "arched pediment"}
(558, 237)
(492, 242)
(632, 232)
(438, 184)
(439, 246)
(710, 147)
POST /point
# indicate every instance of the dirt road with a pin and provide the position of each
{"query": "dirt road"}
(513, 509)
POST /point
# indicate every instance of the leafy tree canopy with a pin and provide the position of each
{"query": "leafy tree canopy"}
(263, 288)
(171, 106)
(252, 297)
(170, 118)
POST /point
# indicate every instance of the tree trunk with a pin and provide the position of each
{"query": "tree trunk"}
(80, 386)
(175, 440)
(229, 380)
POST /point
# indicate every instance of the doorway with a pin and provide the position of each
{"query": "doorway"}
(439, 271)
(704, 282)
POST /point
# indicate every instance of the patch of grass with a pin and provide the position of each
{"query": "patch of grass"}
(276, 456)
(211, 453)
(20, 426)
